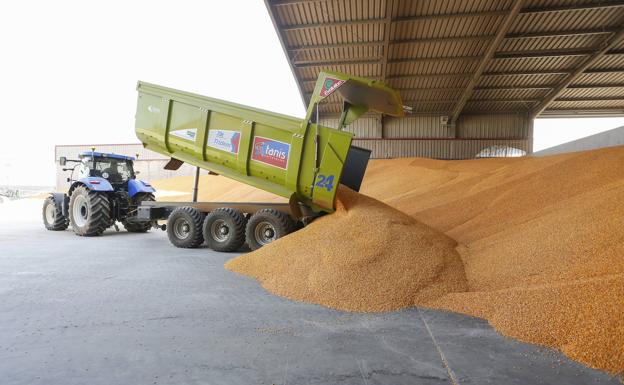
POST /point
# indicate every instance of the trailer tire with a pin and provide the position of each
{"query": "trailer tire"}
(89, 212)
(267, 225)
(53, 218)
(184, 227)
(224, 229)
(143, 226)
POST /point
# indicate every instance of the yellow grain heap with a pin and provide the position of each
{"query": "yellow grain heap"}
(366, 256)
(541, 241)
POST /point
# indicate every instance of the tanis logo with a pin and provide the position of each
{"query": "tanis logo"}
(271, 152)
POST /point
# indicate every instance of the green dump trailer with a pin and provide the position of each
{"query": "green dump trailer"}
(295, 158)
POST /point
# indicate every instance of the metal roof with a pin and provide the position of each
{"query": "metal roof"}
(452, 57)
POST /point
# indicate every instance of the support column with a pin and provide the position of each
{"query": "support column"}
(195, 184)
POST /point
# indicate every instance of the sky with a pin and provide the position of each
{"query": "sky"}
(68, 72)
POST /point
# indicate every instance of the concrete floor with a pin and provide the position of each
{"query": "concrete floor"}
(131, 309)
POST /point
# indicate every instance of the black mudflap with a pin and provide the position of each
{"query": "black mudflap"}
(355, 167)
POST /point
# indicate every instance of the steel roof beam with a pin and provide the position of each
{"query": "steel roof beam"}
(493, 73)
(502, 31)
(458, 39)
(315, 63)
(564, 8)
(389, 4)
(588, 62)
(535, 10)
(499, 55)
(571, 32)
(592, 99)
(551, 53)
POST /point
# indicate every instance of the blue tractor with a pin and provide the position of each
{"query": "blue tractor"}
(103, 190)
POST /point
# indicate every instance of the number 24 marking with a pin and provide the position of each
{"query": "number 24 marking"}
(325, 181)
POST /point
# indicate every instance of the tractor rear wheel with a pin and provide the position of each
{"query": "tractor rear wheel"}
(224, 229)
(53, 217)
(89, 212)
(184, 227)
(138, 227)
(267, 225)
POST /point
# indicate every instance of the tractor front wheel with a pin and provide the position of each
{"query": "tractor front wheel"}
(89, 212)
(53, 218)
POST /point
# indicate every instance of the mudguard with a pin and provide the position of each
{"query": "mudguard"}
(138, 186)
(95, 183)
(61, 201)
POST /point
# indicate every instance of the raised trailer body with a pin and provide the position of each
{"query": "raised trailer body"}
(294, 158)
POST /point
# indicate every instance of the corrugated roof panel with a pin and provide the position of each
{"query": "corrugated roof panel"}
(586, 104)
(490, 106)
(552, 43)
(366, 70)
(520, 80)
(445, 27)
(510, 93)
(594, 92)
(441, 49)
(600, 78)
(535, 64)
(428, 82)
(431, 67)
(610, 61)
(334, 35)
(339, 54)
(313, 12)
(420, 8)
(430, 94)
(567, 20)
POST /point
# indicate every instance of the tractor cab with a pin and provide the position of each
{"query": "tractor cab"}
(116, 169)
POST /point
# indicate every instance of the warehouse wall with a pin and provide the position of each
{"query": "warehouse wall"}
(428, 136)
(150, 164)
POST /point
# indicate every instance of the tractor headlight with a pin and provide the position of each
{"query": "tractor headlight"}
(105, 175)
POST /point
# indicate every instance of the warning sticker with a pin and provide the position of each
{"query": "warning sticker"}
(271, 152)
(224, 140)
(329, 86)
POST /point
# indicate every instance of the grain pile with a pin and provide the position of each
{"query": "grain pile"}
(541, 242)
(366, 256)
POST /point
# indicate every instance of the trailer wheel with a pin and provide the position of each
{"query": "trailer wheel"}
(89, 212)
(267, 225)
(53, 217)
(142, 226)
(224, 229)
(184, 227)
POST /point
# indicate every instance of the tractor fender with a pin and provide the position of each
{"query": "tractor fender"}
(61, 201)
(93, 183)
(138, 186)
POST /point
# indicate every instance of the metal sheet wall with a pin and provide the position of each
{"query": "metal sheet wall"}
(508, 126)
(416, 127)
(365, 127)
(435, 148)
